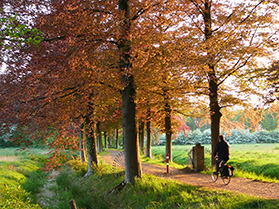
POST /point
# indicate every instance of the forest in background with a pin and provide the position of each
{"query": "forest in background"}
(190, 131)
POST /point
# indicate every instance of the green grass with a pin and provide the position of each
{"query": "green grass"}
(256, 161)
(149, 192)
(21, 151)
(16, 169)
(23, 182)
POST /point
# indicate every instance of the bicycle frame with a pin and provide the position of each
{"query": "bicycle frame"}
(226, 178)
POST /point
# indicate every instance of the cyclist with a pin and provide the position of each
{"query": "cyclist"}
(222, 151)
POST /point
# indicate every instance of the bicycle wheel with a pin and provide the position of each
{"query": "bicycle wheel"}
(213, 175)
(226, 179)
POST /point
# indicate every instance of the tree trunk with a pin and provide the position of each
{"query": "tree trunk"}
(81, 147)
(148, 135)
(105, 138)
(99, 138)
(117, 138)
(91, 146)
(84, 138)
(141, 135)
(215, 114)
(123, 137)
(131, 145)
(168, 127)
(110, 140)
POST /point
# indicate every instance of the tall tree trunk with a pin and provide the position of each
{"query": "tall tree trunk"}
(123, 137)
(168, 130)
(141, 135)
(117, 138)
(91, 146)
(131, 145)
(105, 138)
(215, 114)
(99, 137)
(81, 143)
(148, 135)
(110, 140)
(84, 138)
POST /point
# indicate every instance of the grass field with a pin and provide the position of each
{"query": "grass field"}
(16, 168)
(256, 161)
(21, 182)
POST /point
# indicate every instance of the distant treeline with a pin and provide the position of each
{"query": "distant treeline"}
(235, 137)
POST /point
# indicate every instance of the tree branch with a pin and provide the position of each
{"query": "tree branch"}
(252, 11)
(226, 22)
(143, 10)
(233, 71)
(54, 38)
(198, 7)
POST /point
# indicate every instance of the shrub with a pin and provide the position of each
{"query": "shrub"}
(235, 137)
(240, 137)
(78, 166)
(35, 182)
(63, 179)
(267, 136)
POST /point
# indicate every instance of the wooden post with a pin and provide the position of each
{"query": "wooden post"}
(167, 160)
(198, 157)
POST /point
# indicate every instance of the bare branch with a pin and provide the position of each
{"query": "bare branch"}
(252, 11)
(233, 71)
(54, 38)
(143, 10)
(198, 7)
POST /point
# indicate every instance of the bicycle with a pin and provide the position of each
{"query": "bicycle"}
(225, 171)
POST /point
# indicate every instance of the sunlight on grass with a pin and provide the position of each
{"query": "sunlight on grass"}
(15, 168)
(8, 158)
(255, 161)
(149, 192)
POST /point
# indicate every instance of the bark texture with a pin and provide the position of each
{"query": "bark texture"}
(148, 135)
(215, 114)
(131, 144)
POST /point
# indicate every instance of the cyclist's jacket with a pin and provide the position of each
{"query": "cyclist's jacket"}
(223, 150)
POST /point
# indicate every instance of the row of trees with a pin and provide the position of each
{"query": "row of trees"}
(235, 137)
(257, 118)
(103, 63)
(240, 126)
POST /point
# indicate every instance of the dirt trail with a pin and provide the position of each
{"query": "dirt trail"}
(240, 185)
(46, 197)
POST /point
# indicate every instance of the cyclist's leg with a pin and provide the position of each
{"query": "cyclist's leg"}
(218, 164)
(225, 161)
(221, 166)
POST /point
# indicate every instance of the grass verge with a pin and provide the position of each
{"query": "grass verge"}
(149, 192)
(16, 176)
(254, 161)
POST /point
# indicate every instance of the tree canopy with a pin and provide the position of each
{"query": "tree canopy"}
(166, 57)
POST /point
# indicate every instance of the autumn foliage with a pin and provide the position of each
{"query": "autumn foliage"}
(161, 59)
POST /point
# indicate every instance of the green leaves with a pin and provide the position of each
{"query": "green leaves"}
(12, 31)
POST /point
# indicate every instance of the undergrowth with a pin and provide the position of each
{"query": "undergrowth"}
(21, 181)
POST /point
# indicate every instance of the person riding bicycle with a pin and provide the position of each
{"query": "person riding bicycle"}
(222, 151)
